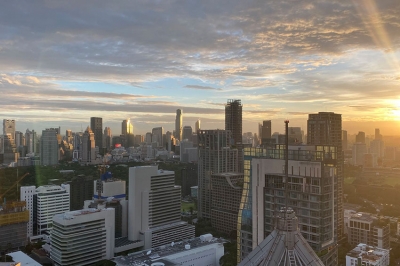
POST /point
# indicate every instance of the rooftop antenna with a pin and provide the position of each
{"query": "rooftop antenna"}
(286, 172)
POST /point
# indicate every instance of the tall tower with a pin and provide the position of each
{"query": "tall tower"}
(107, 138)
(233, 123)
(325, 128)
(49, 147)
(96, 124)
(9, 127)
(197, 126)
(88, 151)
(215, 156)
(178, 124)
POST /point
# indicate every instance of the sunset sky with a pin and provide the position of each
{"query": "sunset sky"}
(62, 62)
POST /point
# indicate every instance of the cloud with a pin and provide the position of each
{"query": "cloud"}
(198, 87)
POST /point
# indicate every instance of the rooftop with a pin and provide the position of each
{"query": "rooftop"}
(70, 215)
(155, 254)
(367, 253)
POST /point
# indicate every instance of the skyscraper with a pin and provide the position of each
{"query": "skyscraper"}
(197, 126)
(9, 127)
(360, 137)
(96, 124)
(233, 121)
(49, 148)
(344, 140)
(127, 132)
(187, 133)
(107, 138)
(157, 136)
(88, 150)
(215, 156)
(265, 132)
(325, 128)
(178, 124)
(31, 141)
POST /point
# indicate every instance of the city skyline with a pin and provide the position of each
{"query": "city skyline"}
(64, 63)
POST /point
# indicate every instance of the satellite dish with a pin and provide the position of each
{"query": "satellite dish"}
(148, 252)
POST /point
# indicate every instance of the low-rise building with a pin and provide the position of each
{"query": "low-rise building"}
(364, 254)
(199, 251)
(366, 228)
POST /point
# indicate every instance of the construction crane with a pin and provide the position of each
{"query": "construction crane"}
(12, 186)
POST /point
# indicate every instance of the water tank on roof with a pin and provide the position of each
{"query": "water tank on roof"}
(206, 237)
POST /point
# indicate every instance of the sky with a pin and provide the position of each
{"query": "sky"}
(62, 62)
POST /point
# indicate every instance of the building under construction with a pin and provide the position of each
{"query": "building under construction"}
(14, 218)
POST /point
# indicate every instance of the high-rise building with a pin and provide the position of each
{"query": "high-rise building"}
(96, 124)
(157, 136)
(83, 237)
(178, 124)
(359, 150)
(88, 147)
(31, 141)
(325, 128)
(49, 147)
(127, 133)
(81, 189)
(48, 201)
(265, 132)
(26, 195)
(233, 123)
(154, 195)
(344, 140)
(360, 137)
(187, 133)
(197, 126)
(148, 138)
(225, 197)
(107, 138)
(311, 191)
(13, 222)
(215, 156)
(378, 134)
(9, 127)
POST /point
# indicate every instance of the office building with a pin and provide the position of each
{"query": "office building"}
(148, 138)
(377, 147)
(265, 132)
(295, 136)
(83, 237)
(378, 135)
(96, 124)
(107, 138)
(368, 229)
(139, 139)
(197, 126)
(360, 137)
(344, 140)
(153, 194)
(14, 218)
(359, 150)
(88, 147)
(110, 187)
(178, 124)
(215, 156)
(127, 132)
(19, 139)
(48, 201)
(81, 189)
(31, 141)
(199, 251)
(285, 245)
(225, 197)
(183, 146)
(189, 178)
(187, 133)
(9, 149)
(364, 254)
(325, 128)
(49, 148)
(9, 127)
(157, 136)
(26, 195)
(233, 121)
(311, 193)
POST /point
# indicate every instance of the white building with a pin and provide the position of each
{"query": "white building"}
(83, 237)
(26, 194)
(199, 251)
(153, 195)
(363, 254)
(50, 200)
